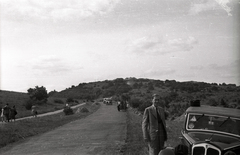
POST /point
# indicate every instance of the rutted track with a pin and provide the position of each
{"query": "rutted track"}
(103, 132)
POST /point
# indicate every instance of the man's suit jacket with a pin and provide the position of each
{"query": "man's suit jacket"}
(150, 123)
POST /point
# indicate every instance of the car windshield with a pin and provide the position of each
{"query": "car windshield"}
(214, 123)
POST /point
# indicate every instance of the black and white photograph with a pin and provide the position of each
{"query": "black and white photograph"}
(120, 77)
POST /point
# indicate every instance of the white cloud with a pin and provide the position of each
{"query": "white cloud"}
(156, 45)
(51, 65)
(210, 5)
(55, 10)
(223, 4)
(234, 66)
(227, 71)
(202, 6)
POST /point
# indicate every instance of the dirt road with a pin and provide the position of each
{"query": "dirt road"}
(103, 132)
(50, 113)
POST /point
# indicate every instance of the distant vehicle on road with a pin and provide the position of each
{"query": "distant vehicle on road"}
(107, 101)
(211, 130)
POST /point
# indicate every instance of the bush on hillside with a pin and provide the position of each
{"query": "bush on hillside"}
(83, 109)
(39, 102)
(144, 105)
(28, 105)
(135, 102)
(68, 111)
(58, 101)
(69, 100)
(38, 93)
(212, 102)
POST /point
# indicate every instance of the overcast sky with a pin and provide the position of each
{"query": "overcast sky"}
(60, 43)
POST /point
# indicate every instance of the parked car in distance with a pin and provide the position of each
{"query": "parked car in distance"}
(211, 130)
(107, 101)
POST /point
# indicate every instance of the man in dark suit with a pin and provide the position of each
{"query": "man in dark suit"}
(154, 126)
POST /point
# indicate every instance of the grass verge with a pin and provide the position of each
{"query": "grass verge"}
(135, 144)
(15, 131)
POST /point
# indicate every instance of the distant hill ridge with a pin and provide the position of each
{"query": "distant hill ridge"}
(171, 90)
(176, 95)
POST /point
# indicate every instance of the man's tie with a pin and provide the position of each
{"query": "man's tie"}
(158, 116)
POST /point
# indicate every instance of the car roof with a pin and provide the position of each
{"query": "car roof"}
(203, 109)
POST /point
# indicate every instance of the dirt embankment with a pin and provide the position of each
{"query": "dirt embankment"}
(135, 144)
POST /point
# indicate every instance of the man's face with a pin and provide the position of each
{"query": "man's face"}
(156, 101)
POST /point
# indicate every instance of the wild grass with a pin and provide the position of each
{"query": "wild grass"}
(135, 144)
(174, 132)
(20, 99)
(20, 130)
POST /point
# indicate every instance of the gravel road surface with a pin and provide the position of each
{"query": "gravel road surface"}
(103, 132)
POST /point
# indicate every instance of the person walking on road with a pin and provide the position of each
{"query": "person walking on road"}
(154, 126)
(2, 116)
(34, 111)
(6, 112)
(118, 105)
(13, 113)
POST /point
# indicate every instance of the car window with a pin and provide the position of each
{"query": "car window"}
(215, 123)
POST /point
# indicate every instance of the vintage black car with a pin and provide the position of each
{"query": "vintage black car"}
(211, 130)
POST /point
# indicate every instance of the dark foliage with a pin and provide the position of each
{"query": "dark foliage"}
(58, 101)
(69, 100)
(176, 95)
(68, 111)
(38, 93)
(28, 105)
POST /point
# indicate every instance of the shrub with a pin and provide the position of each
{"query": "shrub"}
(84, 109)
(68, 111)
(38, 102)
(29, 104)
(144, 105)
(212, 102)
(58, 101)
(69, 100)
(135, 102)
(38, 93)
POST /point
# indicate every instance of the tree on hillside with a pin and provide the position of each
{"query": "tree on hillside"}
(223, 103)
(38, 93)
(52, 92)
(125, 97)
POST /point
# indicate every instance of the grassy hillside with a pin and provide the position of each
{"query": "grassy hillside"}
(138, 92)
(20, 100)
(21, 130)
(14, 98)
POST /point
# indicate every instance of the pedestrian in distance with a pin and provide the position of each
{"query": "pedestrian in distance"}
(34, 111)
(154, 126)
(67, 106)
(6, 112)
(2, 116)
(13, 113)
(118, 105)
